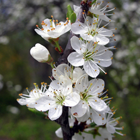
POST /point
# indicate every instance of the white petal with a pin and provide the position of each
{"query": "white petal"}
(54, 85)
(22, 101)
(44, 103)
(91, 69)
(58, 133)
(104, 58)
(41, 33)
(79, 110)
(55, 113)
(75, 43)
(61, 69)
(87, 136)
(77, 137)
(102, 40)
(47, 21)
(104, 133)
(79, 28)
(75, 59)
(105, 32)
(97, 104)
(97, 86)
(97, 12)
(98, 118)
(82, 83)
(76, 9)
(110, 129)
(87, 36)
(72, 99)
(84, 118)
(77, 73)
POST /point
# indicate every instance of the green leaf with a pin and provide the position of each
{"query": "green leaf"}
(69, 11)
(35, 111)
(73, 17)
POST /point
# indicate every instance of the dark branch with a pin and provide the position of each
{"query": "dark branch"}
(63, 120)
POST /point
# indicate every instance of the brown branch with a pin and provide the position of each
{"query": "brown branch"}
(63, 120)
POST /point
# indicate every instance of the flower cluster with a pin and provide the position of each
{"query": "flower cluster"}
(86, 100)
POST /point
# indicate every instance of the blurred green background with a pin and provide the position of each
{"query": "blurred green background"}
(19, 70)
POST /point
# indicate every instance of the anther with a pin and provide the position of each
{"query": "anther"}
(20, 94)
(75, 114)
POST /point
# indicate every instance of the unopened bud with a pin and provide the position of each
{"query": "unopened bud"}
(41, 54)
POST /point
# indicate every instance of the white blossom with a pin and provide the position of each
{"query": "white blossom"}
(31, 98)
(51, 29)
(110, 127)
(66, 74)
(90, 31)
(90, 102)
(111, 124)
(102, 13)
(57, 97)
(89, 55)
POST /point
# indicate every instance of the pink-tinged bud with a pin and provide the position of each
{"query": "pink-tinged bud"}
(41, 54)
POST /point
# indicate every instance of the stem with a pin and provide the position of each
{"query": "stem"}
(57, 46)
(52, 65)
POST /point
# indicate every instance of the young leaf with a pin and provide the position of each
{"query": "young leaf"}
(73, 17)
(69, 11)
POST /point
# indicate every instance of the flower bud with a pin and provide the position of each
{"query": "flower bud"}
(41, 54)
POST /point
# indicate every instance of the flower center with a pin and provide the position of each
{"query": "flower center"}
(59, 98)
(84, 95)
(88, 55)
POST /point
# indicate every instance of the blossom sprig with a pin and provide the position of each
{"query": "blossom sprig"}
(79, 105)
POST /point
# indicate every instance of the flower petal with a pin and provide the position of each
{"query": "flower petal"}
(76, 45)
(62, 69)
(79, 110)
(101, 40)
(22, 101)
(110, 129)
(72, 99)
(75, 59)
(87, 37)
(55, 113)
(98, 118)
(105, 32)
(79, 28)
(97, 86)
(77, 74)
(97, 104)
(45, 103)
(91, 68)
(82, 83)
(58, 133)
